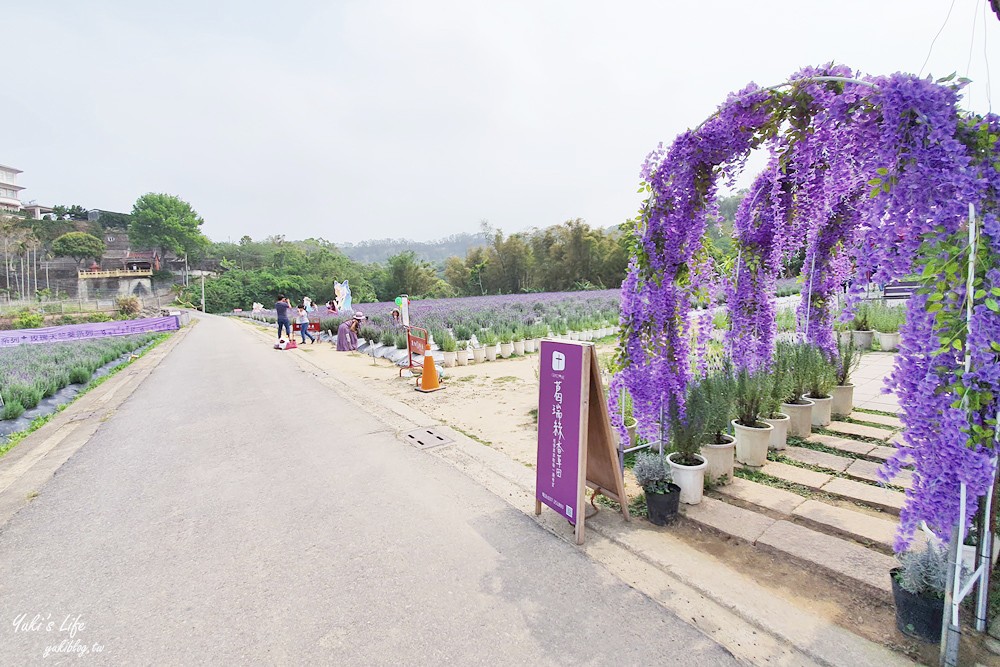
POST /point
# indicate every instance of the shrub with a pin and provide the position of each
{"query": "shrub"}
(887, 319)
(822, 375)
(94, 318)
(128, 306)
(79, 374)
(28, 319)
(751, 396)
(652, 472)
(849, 358)
(12, 410)
(924, 572)
(447, 342)
(862, 317)
(718, 393)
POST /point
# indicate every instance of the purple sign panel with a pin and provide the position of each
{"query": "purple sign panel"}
(559, 406)
(72, 332)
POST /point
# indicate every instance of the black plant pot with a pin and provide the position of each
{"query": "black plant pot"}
(663, 507)
(917, 616)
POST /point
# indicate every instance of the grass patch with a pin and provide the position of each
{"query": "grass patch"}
(506, 378)
(472, 436)
(819, 430)
(636, 505)
(862, 422)
(875, 412)
(817, 447)
(778, 457)
(14, 438)
(467, 378)
(534, 414)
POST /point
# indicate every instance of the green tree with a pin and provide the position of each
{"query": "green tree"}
(405, 274)
(79, 246)
(74, 212)
(167, 223)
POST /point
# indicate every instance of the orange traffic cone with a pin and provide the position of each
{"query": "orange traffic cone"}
(428, 380)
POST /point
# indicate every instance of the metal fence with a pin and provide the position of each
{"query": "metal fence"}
(106, 302)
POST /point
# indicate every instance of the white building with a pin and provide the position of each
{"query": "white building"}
(9, 189)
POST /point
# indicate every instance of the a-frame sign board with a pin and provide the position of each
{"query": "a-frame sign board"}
(576, 446)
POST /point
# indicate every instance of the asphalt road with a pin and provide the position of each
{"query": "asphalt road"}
(236, 511)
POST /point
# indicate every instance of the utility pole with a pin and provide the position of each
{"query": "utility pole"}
(203, 290)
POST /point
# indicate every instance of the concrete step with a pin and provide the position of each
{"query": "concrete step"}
(860, 429)
(864, 528)
(868, 471)
(815, 458)
(796, 475)
(731, 520)
(843, 444)
(873, 496)
(845, 561)
(884, 420)
(848, 489)
(746, 493)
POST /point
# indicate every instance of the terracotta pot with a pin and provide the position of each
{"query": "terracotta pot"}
(779, 436)
(720, 458)
(843, 400)
(800, 418)
(691, 479)
(821, 410)
(863, 339)
(889, 342)
(751, 444)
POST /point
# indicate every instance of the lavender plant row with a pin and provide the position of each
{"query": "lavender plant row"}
(31, 373)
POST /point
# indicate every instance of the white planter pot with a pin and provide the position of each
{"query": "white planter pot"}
(779, 436)
(506, 349)
(844, 337)
(821, 410)
(450, 359)
(573, 335)
(751, 444)
(463, 357)
(530, 345)
(519, 347)
(889, 342)
(720, 460)
(691, 479)
(633, 436)
(478, 355)
(843, 400)
(491, 352)
(863, 339)
(800, 418)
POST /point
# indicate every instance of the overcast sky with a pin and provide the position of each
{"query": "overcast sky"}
(358, 120)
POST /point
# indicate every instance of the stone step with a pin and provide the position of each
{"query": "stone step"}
(815, 458)
(731, 520)
(868, 471)
(869, 530)
(745, 492)
(796, 475)
(843, 444)
(860, 429)
(882, 453)
(845, 561)
(884, 420)
(873, 496)
(841, 521)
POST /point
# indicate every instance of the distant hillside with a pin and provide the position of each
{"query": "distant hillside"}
(433, 251)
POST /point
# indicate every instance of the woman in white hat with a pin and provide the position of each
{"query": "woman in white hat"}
(347, 333)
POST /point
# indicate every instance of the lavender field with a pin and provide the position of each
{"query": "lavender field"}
(30, 374)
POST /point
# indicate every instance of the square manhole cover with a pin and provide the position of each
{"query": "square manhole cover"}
(425, 438)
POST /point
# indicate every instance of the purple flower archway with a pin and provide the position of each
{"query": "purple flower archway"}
(870, 176)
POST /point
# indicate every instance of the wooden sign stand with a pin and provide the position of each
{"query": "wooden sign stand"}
(598, 465)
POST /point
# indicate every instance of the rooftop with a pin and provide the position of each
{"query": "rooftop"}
(6, 168)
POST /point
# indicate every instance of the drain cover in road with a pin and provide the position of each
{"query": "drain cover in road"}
(425, 438)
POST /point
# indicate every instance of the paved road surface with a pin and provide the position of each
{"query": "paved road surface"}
(233, 511)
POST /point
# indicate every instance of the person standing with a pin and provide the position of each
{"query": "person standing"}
(303, 322)
(281, 308)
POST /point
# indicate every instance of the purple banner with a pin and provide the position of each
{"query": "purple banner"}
(72, 332)
(559, 407)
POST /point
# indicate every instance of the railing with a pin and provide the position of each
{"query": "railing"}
(116, 273)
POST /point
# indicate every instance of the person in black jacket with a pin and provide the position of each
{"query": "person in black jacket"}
(281, 308)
